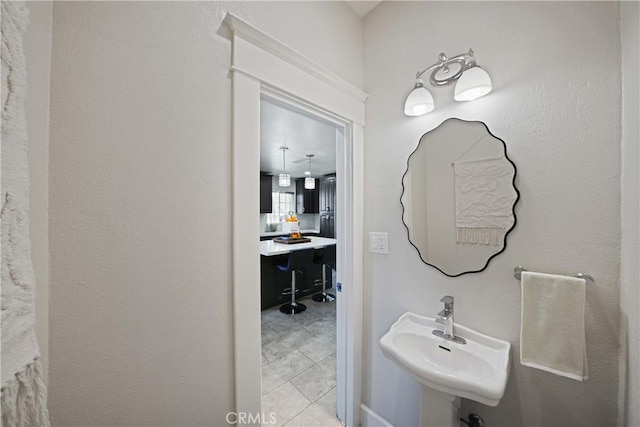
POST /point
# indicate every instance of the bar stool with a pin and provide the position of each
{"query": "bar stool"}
(298, 261)
(328, 259)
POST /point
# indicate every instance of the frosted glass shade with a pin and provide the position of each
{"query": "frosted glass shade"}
(309, 183)
(474, 83)
(419, 102)
(284, 180)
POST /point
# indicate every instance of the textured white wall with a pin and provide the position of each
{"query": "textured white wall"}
(556, 103)
(140, 198)
(37, 47)
(630, 257)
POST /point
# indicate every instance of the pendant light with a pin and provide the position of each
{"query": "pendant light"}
(284, 179)
(309, 181)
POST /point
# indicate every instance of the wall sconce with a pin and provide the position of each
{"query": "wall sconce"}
(472, 82)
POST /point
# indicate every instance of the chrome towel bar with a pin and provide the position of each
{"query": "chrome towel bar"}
(517, 273)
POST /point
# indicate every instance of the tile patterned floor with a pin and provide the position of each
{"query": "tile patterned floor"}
(299, 366)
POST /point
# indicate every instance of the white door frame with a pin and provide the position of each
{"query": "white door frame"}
(259, 64)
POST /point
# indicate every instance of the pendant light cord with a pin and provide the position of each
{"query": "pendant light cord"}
(284, 164)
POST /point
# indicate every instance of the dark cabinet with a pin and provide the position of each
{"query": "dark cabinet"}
(327, 225)
(265, 193)
(328, 206)
(306, 200)
(328, 193)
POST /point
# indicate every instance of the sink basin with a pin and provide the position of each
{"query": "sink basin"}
(477, 370)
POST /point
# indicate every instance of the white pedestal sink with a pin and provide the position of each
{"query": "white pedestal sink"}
(448, 371)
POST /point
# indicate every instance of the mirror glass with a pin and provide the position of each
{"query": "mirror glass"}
(459, 196)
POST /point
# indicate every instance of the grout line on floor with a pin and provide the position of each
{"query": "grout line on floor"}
(321, 312)
(303, 409)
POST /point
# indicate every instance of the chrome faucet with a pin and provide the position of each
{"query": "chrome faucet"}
(445, 317)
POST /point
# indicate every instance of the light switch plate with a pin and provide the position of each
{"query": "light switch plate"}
(378, 243)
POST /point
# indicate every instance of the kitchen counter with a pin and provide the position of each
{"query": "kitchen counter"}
(271, 248)
(281, 233)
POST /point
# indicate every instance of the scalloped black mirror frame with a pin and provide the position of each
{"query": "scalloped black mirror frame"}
(513, 208)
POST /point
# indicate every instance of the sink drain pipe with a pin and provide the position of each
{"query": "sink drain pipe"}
(474, 420)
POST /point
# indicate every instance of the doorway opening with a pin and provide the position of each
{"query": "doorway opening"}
(300, 250)
(261, 66)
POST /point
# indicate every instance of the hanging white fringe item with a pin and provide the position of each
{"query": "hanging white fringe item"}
(23, 391)
(484, 199)
(24, 398)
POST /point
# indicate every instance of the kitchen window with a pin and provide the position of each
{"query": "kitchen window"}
(283, 203)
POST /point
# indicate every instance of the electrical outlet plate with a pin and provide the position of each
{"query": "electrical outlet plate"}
(378, 243)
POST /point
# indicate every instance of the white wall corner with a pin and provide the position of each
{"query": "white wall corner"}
(37, 44)
(629, 362)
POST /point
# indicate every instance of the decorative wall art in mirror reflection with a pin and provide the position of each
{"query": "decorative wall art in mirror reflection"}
(459, 196)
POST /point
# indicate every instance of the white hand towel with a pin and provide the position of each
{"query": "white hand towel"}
(552, 334)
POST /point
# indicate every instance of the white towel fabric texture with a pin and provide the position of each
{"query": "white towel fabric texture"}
(23, 399)
(484, 199)
(552, 332)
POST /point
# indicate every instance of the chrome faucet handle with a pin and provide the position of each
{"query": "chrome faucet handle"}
(448, 303)
(442, 316)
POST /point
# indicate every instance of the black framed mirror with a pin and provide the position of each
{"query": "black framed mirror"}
(459, 197)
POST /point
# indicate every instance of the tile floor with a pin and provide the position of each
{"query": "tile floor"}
(299, 366)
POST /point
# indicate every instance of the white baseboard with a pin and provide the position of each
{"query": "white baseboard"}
(368, 418)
